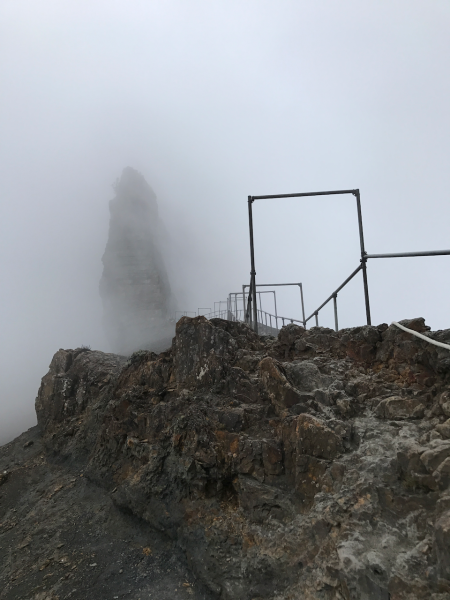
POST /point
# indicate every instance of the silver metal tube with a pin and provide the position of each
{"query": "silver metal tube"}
(336, 326)
(276, 314)
(317, 319)
(407, 254)
(303, 305)
(252, 260)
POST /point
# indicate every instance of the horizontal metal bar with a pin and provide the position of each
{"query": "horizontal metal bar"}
(335, 292)
(304, 194)
(271, 284)
(246, 286)
(406, 254)
(286, 318)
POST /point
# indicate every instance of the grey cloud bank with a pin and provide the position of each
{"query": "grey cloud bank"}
(212, 102)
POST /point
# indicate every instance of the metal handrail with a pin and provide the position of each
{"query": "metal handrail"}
(276, 317)
(334, 297)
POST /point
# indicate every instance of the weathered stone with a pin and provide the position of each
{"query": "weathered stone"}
(444, 429)
(438, 452)
(398, 407)
(282, 394)
(305, 376)
(288, 337)
(361, 342)
(442, 539)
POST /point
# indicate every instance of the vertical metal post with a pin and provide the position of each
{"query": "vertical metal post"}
(243, 300)
(317, 319)
(252, 260)
(276, 314)
(303, 305)
(363, 257)
(335, 313)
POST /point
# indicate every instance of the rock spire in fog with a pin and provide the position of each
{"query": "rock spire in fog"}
(134, 286)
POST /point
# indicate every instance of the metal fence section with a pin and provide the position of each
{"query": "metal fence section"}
(355, 193)
(252, 319)
(282, 285)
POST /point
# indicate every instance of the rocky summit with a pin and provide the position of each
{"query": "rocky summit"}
(314, 465)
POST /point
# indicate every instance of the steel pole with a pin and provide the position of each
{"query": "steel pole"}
(252, 260)
(335, 313)
(303, 305)
(363, 257)
(408, 254)
(276, 314)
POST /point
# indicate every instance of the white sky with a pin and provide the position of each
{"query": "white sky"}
(213, 101)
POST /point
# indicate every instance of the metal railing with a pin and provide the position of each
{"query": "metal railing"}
(233, 299)
(362, 267)
(334, 298)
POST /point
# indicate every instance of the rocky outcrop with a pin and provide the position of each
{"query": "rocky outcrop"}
(315, 465)
(62, 537)
(135, 291)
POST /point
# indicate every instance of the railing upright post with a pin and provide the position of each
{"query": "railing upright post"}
(363, 256)
(303, 305)
(335, 313)
(252, 258)
(276, 314)
(317, 319)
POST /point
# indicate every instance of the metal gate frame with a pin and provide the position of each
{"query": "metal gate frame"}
(363, 260)
(355, 193)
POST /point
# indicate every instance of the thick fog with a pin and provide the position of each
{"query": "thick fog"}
(211, 102)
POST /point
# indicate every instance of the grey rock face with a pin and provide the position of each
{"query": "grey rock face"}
(309, 466)
(134, 286)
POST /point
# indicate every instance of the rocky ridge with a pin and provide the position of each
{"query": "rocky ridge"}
(315, 465)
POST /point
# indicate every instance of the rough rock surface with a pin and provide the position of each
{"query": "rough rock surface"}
(315, 465)
(134, 287)
(61, 536)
